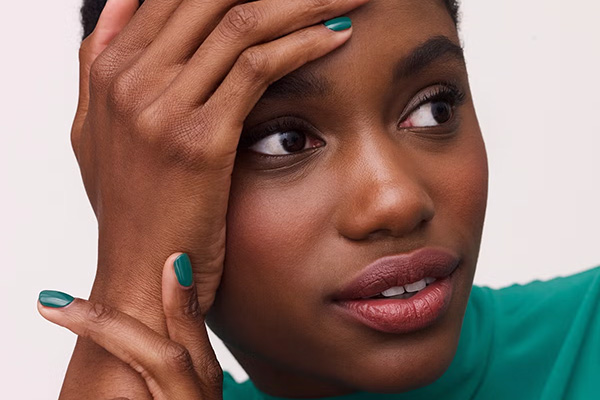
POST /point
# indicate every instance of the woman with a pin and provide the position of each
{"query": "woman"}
(304, 169)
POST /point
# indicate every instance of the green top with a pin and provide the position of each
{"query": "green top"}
(546, 350)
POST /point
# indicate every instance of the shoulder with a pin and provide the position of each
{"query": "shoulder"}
(529, 312)
(540, 333)
(552, 296)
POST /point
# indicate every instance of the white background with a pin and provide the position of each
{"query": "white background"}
(534, 72)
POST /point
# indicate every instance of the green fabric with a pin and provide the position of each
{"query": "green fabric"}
(540, 341)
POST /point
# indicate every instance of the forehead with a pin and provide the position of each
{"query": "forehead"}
(385, 33)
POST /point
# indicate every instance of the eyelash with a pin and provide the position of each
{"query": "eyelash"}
(445, 91)
(280, 125)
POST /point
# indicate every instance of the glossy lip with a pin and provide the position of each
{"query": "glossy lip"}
(398, 270)
(401, 316)
(398, 316)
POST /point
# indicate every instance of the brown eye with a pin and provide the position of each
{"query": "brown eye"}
(281, 137)
(292, 141)
(429, 114)
(284, 143)
(441, 111)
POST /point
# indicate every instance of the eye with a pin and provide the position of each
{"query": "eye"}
(434, 108)
(429, 114)
(281, 138)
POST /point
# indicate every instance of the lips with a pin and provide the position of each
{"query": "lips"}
(399, 270)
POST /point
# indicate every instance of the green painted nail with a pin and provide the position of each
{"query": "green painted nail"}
(338, 24)
(183, 270)
(54, 299)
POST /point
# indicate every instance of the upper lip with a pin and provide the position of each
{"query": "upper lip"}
(398, 270)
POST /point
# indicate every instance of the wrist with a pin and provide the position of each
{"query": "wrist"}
(130, 265)
(129, 276)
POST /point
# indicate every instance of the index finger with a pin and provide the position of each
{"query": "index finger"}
(145, 25)
(165, 365)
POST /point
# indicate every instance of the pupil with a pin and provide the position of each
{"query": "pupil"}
(441, 111)
(292, 141)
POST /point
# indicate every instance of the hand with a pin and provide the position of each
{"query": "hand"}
(156, 135)
(157, 139)
(180, 366)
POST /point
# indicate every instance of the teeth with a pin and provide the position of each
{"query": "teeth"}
(416, 286)
(408, 288)
(394, 291)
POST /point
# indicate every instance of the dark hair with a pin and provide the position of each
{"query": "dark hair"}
(91, 9)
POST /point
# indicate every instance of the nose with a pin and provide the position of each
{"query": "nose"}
(382, 192)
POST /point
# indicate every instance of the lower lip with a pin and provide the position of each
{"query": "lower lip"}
(402, 315)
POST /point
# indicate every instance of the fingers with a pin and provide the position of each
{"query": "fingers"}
(242, 27)
(185, 320)
(183, 33)
(165, 365)
(143, 28)
(115, 15)
(256, 69)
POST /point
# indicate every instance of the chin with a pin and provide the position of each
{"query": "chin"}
(394, 376)
(407, 362)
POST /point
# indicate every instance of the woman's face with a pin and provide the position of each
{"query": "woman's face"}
(362, 173)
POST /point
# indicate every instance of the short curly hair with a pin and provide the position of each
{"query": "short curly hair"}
(91, 9)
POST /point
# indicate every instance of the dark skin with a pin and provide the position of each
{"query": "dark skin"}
(301, 232)
(375, 178)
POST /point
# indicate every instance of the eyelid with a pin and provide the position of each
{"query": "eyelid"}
(447, 90)
(281, 124)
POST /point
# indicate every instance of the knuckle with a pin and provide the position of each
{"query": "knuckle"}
(177, 358)
(191, 309)
(212, 373)
(319, 5)
(122, 96)
(75, 145)
(100, 75)
(101, 314)
(84, 49)
(103, 68)
(74, 137)
(148, 123)
(240, 21)
(156, 128)
(254, 64)
(179, 137)
(309, 40)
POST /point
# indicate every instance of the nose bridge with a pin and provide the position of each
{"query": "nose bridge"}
(384, 191)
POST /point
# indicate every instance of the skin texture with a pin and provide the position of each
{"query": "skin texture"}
(296, 235)
(299, 227)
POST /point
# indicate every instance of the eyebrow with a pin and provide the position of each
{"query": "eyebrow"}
(303, 84)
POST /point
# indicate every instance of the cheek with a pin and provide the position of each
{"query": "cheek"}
(269, 230)
(273, 230)
(460, 191)
(272, 227)
(470, 186)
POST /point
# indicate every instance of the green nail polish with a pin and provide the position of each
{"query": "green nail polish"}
(183, 270)
(54, 299)
(338, 24)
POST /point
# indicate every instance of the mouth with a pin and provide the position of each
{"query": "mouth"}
(405, 291)
(402, 293)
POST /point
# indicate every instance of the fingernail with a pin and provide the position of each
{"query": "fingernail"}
(55, 299)
(338, 24)
(183, 270)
